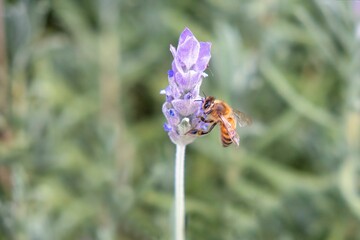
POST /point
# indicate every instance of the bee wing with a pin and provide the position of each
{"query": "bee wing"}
(232, 133)
(242, 119)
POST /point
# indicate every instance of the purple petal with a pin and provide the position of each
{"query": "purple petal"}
(174, 91)
(170, 93)
(185, 34)
(172, 80)
(169, 98)
(181, 81)
(171, 115)
(173, 51)
(167, 127)
(187, 81)
(196, 91)
(188, 52)
(177, 66)
(185, 107)
(204, 56)
(194, 77)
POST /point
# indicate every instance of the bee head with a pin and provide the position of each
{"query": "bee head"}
(208, 104)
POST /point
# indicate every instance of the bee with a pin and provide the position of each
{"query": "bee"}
(219, 112)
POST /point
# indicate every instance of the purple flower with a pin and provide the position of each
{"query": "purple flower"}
(182, 106)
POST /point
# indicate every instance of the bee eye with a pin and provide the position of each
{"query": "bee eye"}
(207, 104)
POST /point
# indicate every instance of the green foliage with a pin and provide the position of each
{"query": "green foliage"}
(83, 154)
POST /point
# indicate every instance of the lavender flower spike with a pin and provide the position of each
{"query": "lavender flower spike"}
(191, 58)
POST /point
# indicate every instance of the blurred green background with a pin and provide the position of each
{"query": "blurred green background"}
(83, 154)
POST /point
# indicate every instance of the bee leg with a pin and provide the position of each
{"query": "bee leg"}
(202, 132)
(205, 120)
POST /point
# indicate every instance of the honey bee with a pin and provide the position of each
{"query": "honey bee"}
(219, 112)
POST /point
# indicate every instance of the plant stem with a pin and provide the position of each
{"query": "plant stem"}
(179, 192)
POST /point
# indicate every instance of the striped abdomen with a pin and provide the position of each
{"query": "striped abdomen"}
(227, 134)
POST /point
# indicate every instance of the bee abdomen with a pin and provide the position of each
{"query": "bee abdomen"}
(225, 138)
(226, 143)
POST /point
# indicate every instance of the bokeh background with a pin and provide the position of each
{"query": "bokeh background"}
(83, 153)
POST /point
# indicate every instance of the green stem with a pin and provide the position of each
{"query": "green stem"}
(179, 192)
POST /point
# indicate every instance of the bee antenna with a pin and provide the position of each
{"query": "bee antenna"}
(204, 94)
(198, 100)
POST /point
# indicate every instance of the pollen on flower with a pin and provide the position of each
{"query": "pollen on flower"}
(182, 106)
